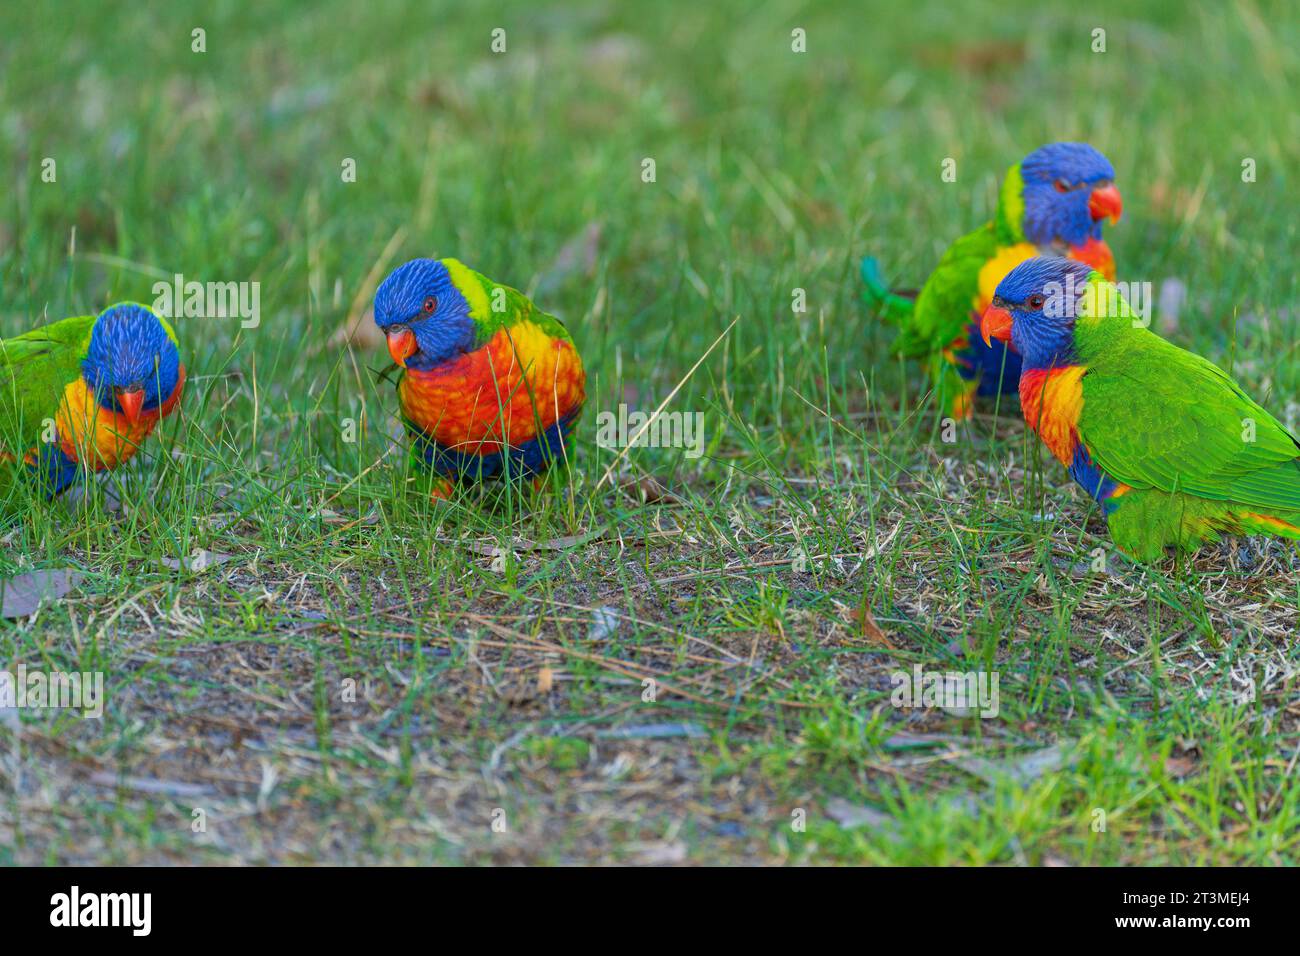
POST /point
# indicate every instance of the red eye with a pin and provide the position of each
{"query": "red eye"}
(1035, 301)
(1062, 186)
(429, 305)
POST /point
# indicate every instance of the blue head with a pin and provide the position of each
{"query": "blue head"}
(425, 317)
(1068, 189)
(131, 363)
(1035, 308)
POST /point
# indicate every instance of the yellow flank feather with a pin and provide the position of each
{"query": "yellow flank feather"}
(1270, 524)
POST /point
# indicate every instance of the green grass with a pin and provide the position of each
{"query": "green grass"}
(482, 688)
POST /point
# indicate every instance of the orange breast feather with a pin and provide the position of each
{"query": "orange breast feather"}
(516, 386)
(1051, 400)
(91, 434)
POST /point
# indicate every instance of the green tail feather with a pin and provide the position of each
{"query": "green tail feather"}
(893, 307)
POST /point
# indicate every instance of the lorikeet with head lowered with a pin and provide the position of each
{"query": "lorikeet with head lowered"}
(1170, 447)
(491, 385)
(1052, 202)
(84, 393)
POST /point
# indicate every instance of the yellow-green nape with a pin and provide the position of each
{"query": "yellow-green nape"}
(1103, 299)
(1011, 205)
(470, 284)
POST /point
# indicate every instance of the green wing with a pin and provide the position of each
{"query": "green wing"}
(1157, 416)
(514, 307)
(520, 307)
(943, 306)
(34, 369)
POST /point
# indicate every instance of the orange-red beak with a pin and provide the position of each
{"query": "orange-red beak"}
(401, 345)
(132, 401)
(995, 324)
(1104, 202)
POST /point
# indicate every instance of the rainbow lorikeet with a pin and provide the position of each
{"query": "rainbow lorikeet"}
(1170, 447)
(491, 384)
(84, 393)
(1052, 202)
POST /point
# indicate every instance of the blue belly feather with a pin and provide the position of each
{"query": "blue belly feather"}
(525, 461)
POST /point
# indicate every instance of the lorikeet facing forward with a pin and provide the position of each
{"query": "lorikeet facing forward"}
(490, 383)
(84, 393)
(1052, 202)
(1170, 447)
